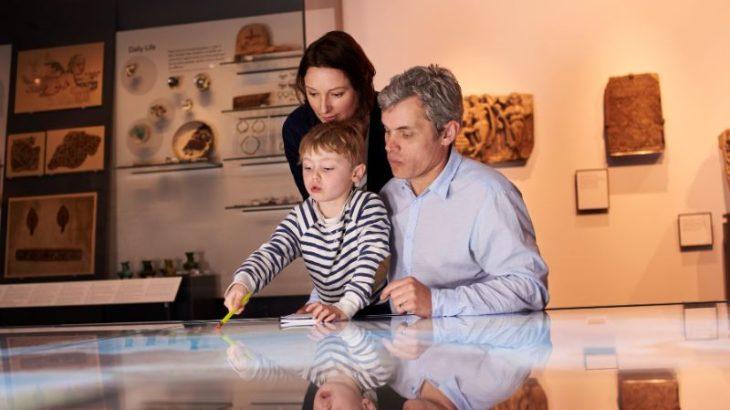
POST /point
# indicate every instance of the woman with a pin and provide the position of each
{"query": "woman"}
(335, 77)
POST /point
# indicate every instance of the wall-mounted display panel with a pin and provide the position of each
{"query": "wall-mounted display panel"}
(58, 78)
(52, 235)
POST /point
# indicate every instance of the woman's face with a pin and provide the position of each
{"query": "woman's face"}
(330, 94)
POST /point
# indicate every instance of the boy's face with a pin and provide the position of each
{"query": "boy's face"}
(337, 395)
(329, 176)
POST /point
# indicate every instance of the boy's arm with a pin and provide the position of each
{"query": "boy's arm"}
(373, 247)
(272, 257)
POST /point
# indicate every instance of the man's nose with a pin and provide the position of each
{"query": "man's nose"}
(390, 145)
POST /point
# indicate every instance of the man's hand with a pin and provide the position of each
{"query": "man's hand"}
(406, 343)
(234, 296)
(409, 296)
(325, 313)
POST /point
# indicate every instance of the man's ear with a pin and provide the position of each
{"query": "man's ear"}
(358, 172)
(367, 404)
(451, 130)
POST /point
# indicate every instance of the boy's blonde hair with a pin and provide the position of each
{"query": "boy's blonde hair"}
(340, 138)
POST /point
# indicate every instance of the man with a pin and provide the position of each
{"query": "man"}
(463, 242)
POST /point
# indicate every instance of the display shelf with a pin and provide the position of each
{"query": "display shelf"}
(266, 70)
(261, 208)
(263, 117)
(265, 107)
(265, 57)
(170, 167)
(258, 160)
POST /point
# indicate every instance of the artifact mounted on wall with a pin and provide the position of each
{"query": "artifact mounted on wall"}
(242, 102)
(193, 141)
(60, 77)
(51, 235)
(255, 39)
(202, 82)
(497, 129)
(724, 141)
(633, 115)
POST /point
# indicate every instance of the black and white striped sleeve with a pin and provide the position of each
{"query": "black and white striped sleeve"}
(373, 247)
(273, 256)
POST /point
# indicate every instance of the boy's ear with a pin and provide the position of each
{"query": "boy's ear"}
(358, 172)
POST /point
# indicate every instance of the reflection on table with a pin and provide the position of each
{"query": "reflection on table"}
(583, 358)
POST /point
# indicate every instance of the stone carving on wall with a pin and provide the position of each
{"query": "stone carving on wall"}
(497, 129)
(724, 141)
(634, 123)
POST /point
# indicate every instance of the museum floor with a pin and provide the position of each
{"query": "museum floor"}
(671, 356)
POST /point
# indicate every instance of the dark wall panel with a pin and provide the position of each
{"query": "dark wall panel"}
(136, 14)
(42, 24)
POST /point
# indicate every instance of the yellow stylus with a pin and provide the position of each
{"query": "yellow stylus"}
(230, 314)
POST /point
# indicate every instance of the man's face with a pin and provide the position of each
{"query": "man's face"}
(414, 148)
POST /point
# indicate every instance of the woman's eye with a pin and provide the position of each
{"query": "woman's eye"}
(338, 95)
(312, 94)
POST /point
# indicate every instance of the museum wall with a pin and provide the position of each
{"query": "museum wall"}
(563, 52)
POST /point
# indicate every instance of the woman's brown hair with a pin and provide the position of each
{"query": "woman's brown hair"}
(339, 50)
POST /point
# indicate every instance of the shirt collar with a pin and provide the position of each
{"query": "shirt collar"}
(345, 214)
(440, 185)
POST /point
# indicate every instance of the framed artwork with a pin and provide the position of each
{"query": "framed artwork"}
(75, 150)
(58, 78)
(634, 124)
(591, 190)
(51, 235)
(695, 230)
(25, 154)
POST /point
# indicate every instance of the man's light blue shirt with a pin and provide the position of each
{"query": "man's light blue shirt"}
(469, 238)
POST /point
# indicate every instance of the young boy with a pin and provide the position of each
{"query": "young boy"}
(341, 233)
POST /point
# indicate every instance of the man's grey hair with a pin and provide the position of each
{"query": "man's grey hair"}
(437, 88)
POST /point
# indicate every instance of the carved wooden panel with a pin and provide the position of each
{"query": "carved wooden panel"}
(633, 115)
(497, 129)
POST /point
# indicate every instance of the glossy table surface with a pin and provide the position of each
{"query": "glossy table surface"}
(629, 357)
